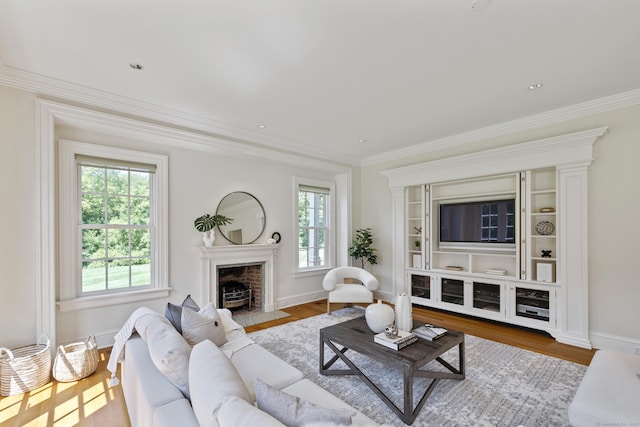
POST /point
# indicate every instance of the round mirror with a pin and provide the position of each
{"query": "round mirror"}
(247, 218)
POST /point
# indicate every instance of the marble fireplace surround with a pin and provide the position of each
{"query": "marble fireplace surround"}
(215, 257)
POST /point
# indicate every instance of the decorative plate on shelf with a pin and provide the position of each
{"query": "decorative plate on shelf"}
(545, 228)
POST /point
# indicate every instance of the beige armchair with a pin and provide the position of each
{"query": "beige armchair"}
(340, 292)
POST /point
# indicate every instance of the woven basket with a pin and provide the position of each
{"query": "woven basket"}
(76, 361)
(25, 368)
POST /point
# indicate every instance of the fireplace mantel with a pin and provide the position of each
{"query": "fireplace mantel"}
(214, 257)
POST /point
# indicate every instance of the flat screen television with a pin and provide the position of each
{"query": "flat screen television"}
(478, 223)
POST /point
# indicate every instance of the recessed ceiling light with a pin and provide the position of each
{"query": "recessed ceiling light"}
(363, 141)
(136, 66)
(261, 126)
(480, 5)
(535, 86)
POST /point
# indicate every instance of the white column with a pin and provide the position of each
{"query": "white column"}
(573, 257)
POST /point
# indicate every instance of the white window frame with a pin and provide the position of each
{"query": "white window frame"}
(70, 255)
(330, 240)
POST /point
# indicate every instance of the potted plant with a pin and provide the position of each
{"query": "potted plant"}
(361, 248)
(206, 223)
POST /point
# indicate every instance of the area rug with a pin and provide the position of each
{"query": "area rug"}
(504, 385)
(259, 317)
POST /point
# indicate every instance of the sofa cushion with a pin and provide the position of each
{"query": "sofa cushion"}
(294, 411)
(172, 414)
(270, 368)
(168, 349)
(608, 393)
(203, 325)
(145, 388)
(213, 379)
(238, 412)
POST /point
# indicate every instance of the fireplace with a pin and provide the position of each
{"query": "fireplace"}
(251, 265)
(240, 286)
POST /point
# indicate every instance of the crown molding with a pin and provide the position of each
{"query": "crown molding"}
(600, 105)
(92, 98)
(565, 151)
(111, 124)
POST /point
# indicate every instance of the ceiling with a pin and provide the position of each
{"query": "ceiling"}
(322, 75)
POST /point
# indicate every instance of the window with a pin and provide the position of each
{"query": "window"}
(314, 211)
(113, 225)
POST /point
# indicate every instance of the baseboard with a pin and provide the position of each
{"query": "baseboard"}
(604, 341)
(103, 339)
(301, 299)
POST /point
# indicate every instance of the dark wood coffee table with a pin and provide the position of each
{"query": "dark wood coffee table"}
(355, 335)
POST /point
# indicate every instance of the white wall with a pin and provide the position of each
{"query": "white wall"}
(17, 218)
(198, 180)
(614, 204)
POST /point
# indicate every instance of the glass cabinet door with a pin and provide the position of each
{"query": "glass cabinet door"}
(452, 291)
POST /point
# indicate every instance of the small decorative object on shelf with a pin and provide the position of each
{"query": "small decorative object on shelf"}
(545, 253)
(545, 228)
(496, 272)
(404, 319)
(418, 230)
(547, 210)
(429, 332)
(453, 268)
(391, 331)
(378, 316)
(417, 243)
(402, 340)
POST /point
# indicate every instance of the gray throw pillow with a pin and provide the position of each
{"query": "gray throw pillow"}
(174, 312)
(295, 412)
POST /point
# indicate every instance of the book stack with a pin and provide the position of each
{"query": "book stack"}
(429, 332)
(403, 339)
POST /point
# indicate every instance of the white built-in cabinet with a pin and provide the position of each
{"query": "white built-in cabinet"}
(540, 281)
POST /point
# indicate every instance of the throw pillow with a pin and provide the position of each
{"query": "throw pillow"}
(174, 312)
(168, 349)
(213, 380)
(238, 412)
(203, 325)
(190, 303)
(293, 411)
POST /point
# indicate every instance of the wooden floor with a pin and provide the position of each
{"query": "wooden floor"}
(90, 402)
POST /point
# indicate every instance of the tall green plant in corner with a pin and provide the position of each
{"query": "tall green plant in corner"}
(361, 248)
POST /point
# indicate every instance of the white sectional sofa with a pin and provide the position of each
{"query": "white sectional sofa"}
(609, 394)
(221, 383)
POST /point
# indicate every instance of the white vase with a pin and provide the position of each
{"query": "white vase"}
(208, 237)
(404, 317)
(378, 316)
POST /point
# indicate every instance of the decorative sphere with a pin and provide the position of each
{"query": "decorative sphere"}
(391, 331)
(378, 316)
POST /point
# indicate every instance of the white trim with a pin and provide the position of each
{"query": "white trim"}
(68, 238)
(214, 257)
(572, 148)
(606, 341)
(595, 106)
(83, 303)
(52, 87)
(234, 136)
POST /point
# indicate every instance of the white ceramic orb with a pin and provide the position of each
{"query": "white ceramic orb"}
(379, 316)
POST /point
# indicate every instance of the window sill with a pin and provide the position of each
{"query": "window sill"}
(309, 273)
(84, 303)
